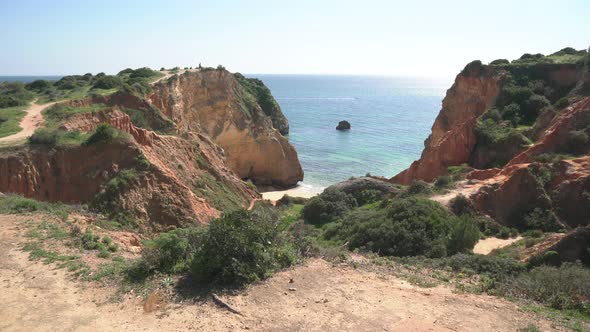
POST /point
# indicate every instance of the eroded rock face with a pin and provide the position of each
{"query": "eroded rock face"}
(453, 138)
(176, 180)
(216, 104)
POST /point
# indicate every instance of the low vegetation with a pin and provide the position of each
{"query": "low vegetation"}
(238, 248)
(10, 119)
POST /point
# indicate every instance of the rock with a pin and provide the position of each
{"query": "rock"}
(218, 104)
(343, 125)
(292, 289)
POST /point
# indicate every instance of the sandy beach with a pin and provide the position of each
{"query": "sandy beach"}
(301, 190)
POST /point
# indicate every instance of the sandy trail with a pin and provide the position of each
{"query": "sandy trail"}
(485, 246)
(462, 188)
(322, 297)
(30, 122)
(168, 74)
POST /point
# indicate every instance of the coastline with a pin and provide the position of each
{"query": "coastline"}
(300, 190)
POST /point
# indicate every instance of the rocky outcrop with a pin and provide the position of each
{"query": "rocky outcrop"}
(218, 105)
(343, 125)
(174, 180)
(556, 137)
(453, 138)
(572, 247)
(476, 89)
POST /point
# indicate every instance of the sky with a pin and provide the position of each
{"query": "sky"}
(373, 37)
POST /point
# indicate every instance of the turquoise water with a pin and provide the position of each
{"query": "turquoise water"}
(390, 118)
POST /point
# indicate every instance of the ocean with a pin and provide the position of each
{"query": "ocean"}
(390, 118)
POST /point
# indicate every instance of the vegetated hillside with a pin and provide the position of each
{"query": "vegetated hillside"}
(107, 144)
(524, 127)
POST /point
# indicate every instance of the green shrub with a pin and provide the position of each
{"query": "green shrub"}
(173, 251)
(461, 205)
(471, 68)
(39, 85)
(417, 187)
(241, 247)
(562, 103)
(108, 82)
(143, 72)
(578, 141)
(104, 133)
(14, 94)
(499, 62)
(407, 227)
(327, 206)
(368, 196)
(44, 136)
(542, 219)
(463, 237)
(89, 240)
(443, 181)
(564, 287)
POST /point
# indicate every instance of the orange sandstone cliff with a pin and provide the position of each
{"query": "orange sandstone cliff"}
(197, 137)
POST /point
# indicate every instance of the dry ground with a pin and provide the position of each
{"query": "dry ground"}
(322, 297)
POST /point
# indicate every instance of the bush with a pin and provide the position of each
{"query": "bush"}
(44, 136)
(542, 219)
(368, 196)
(461, 205)
(242, 247)
(144, 72)
(578, 141)
(562, 103)
(104, 133)
(564, 287)
(499, 62)
(172, 252)
(443, 181)
(417, 187)
(463, 237)
(38, 85)
(471, 68)
(327, 206)
(107, 82)
(407, 227)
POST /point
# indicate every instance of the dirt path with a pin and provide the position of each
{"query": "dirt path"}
(30, 122)
(462, 188)
(485, 246)
(322, 297)
(168, 74)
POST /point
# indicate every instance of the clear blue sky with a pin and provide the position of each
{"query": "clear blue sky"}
(416, 38)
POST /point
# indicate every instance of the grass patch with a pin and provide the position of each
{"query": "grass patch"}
(14, 204)
(58, 113)
(37, 252)
(10, 119)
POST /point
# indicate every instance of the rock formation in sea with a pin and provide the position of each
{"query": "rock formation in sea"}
(343, 125)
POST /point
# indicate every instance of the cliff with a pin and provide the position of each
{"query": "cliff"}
(178, 155)
(226, 109)
(452, 139)
(523, 128)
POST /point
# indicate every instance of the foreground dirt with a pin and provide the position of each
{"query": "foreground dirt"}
(322, 297)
